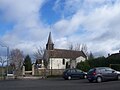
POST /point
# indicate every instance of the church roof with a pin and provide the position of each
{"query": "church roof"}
(63, 53)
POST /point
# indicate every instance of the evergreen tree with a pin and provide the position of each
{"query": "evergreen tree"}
(27, 63)
(90, 57)
(83, 65)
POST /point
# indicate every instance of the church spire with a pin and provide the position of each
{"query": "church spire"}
(50, 45)
(50, 39)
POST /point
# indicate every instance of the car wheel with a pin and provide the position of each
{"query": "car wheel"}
(69, 77)
(118, 77)
(85, 76)
(99, 79)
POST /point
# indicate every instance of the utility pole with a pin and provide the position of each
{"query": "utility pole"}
(7, 49)
(7, 58)
(2, 66)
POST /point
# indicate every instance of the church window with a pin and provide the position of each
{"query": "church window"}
(63, 62)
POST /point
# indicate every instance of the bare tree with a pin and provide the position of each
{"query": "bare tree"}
(2, 61)
(84, 49)
(79, 47)
(76, 47)
(39, 53)
(40, 57)
(71, 47)
(16, 58)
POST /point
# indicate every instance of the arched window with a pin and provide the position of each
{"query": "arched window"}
(63, 61)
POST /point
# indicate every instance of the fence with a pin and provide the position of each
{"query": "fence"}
(48, 72)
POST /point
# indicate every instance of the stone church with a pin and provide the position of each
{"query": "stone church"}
(61, 58)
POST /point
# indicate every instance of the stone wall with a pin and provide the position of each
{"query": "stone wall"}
(42, 71)
(48, 72)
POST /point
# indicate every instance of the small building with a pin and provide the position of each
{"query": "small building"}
(114, 55)
(61, 58)
(114, 60)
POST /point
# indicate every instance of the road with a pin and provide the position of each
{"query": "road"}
(57, 84)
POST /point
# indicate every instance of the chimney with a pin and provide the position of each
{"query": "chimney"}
(108, 54)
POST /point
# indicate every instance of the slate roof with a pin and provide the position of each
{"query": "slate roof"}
(115, 55)
(63, 53)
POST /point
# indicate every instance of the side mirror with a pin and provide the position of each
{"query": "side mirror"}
(113, 71)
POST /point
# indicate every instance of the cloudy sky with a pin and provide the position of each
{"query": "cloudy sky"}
(25, 24)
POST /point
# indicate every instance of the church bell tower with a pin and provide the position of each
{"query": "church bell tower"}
(49, 45)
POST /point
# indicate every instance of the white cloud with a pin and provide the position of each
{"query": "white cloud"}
(94, 22)
(63, 44)
(101, 25)
(28, 26)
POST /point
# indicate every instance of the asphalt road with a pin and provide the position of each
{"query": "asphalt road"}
(57, 84)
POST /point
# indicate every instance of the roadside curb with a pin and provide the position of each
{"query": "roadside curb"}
(30, 78)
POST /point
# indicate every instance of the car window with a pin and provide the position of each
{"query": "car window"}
(69, 71)
(108, 70)
(91, 71)
(79, 70)
(98, 70)
(73, 71)
(102, 71)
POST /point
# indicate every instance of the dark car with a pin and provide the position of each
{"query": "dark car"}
(100, 74)
(74, 74)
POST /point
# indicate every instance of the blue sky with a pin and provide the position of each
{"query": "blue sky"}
(25, 24)
(49, 16)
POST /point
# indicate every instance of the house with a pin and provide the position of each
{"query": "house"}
(114, 55)
(61, 58)
(114, 60)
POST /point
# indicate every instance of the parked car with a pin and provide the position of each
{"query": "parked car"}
(74, 74)
(100, 74)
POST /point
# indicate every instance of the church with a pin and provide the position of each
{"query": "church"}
(61, 58)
